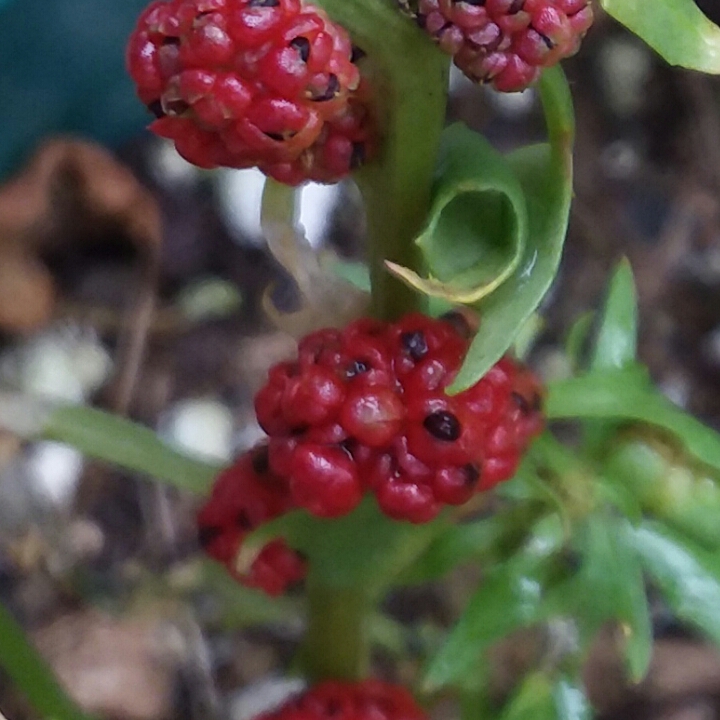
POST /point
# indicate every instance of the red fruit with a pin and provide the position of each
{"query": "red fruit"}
(364, 408)
(244, 496)
(340, 700)
(267, 83)
(505, 42)
(324, 480)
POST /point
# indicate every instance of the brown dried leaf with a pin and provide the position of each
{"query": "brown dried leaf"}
(66, 186)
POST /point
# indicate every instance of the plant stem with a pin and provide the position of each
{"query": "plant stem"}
(408, 77)
(336, 643)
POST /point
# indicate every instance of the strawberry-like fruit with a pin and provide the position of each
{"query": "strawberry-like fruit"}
(504, 42)
(365, 409)
(243, 83)
(339, 700)
(244, 496)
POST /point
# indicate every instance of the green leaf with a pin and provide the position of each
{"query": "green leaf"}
(495, 536)
(687, 584)
(570, 700)
(114, 439)
(676, 29)
(577, 337)
(356, 273)
(616, 343)
(364, 548)
(545, 173)
(628, 395)
(31, 674)
(611, 574)
(532, 701)
(510, 597)
(477, 226)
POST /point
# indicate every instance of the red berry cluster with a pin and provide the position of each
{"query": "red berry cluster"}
(244, 496)
(505, 42)
(365, 409)
(335, 700)
(244, 83)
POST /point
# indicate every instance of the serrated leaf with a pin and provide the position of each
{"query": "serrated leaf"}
(616, 342)
(545, 173)
(688, 586)
(676, 29)
(628, 395)
(477, 226)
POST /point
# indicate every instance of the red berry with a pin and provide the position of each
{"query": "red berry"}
(505, 42)
(269, 83)
(341, 700)
(324, 480)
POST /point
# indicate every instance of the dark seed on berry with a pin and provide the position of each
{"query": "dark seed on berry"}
(521, 402)
(156, 108)
(169, 40)
(302, 45)
(207, 535)
(263, 3)
(472, 473)
(261, 460)
(415, 344)
(243, 521)
(443, 425)
(357, 157)
(333, 87)
(357, 54)
(358, 367)
(175, 107)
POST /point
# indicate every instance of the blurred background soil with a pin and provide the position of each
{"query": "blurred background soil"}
(134, 282)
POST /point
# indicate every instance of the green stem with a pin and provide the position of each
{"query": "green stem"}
(336, 643)
(408, 77)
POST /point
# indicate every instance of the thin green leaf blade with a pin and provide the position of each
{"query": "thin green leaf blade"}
(616, 343)
(688, 586)
(31, 674)
(545, 173)
(676, 29)
(533, 700)
(627, 395)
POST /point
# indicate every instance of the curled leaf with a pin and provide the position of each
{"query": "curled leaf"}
(478, 222)
(545, 173)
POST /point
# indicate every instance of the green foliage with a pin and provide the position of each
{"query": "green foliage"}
(31, 674)
(676, 29)
(545, 174)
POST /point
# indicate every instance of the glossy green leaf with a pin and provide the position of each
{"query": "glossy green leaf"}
(628, 395)
(545, 173)
(356, 273)
(689, 587)
(510, 597)
(364, 548)
(570, 700)
(129, 445)
(676, 29)
(477, 226)
(616, 342)
(31, 674)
